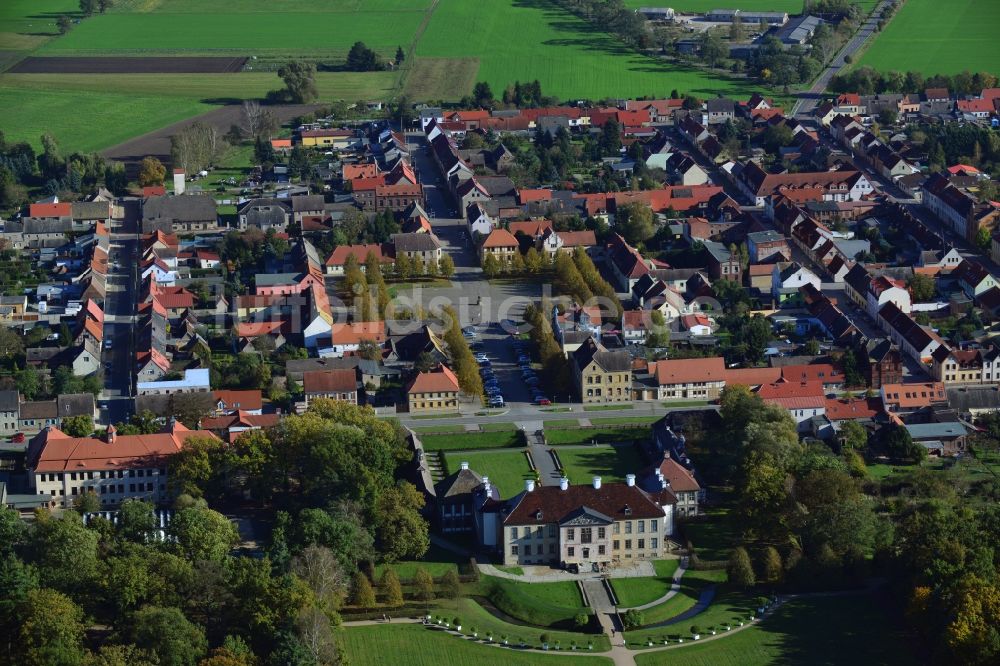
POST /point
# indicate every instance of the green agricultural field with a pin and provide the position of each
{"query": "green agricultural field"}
(819, 630)
(73, 118)
(507, 469)
(415, 645)
(934, 37)
(304, 30)
(571, 59)
(350, 86)
(611, 463)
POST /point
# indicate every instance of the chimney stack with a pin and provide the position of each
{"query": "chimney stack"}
(630, 480)
(486, 485)
(597, 483)
(563, 483)
(529, 485)
(179, 181)
(464, 465)
(112, 434)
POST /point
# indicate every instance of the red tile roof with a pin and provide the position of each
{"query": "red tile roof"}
(686, 370)
(442, 380)
(355, 332)
(50, 210)
(360, 252)
(679, 478)
(54, 451)
(617, 501)
(531, 228)
(342, 380)
(248, 400)
(500, 238)
(857, 408)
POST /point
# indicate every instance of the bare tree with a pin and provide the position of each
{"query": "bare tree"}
(316, 636)
(252, 112)
(197, 147)
(318, 567)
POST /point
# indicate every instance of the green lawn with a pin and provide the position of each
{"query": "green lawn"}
(692, 585)
(474, 615)
(415, 645)
(617, 420)
(830, 631)
(571, 58)
(606, 408)
(437, 561)
(934, 37)
(611, 463)
(516, 571)
(540, 604)
(714, 535)
(440, 429)
(507, 470)
(638, 591)
(702, 6)
(461, 441)
(574, 434)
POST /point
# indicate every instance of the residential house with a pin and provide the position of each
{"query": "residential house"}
(338, 384)
(195, 380)
(802, 400)
(433, 391)
(974, 278)
(334, 139)
(686, 379)
(916, 341)
(940, 439)
(602, 376)
(787, 278)
(455, 500)
(338, 258)
(425, 247)
(762, 246)
(500, 244)
(880, 362)
(264, 214)
(179, 214)
(250, 401)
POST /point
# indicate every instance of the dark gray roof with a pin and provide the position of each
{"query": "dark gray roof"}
(182, 208)
(609, 361)
(462, 482)
(307, 203)
(90, 210)
(9, 401)
(415, 242)
(75, 404)
(967, 398)
(39, 409)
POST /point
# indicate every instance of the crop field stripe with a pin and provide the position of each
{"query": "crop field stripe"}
(128, 65)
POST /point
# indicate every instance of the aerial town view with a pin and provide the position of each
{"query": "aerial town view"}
(499, 332)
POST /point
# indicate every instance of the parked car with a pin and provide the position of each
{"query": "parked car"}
(543, 401)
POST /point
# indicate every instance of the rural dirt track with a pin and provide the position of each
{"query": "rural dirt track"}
(157, 143)
(128, 65)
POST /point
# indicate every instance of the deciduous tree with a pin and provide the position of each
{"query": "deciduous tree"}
(151, 172)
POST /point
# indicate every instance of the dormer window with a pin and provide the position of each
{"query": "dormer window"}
(628, 510)
(538, 514)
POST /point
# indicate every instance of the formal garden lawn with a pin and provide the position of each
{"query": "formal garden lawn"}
(638, 591)
(461, 441)
(692, 585)
(538, 40)
(611, 463)
(571, 433)
(541, 604)
(830, 631)
(714, 534)
(415, 645)
(507, 469)
(934, 37)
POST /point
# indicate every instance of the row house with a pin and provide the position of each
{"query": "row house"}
(840, 185)
(802, 400)
(957, 208)
(338, 259)
(966, 366)
(973, 278)
(873, 293)
(600, 375)
(916, 341)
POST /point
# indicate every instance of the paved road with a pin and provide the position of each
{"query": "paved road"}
(119, 329)
(808, 100)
